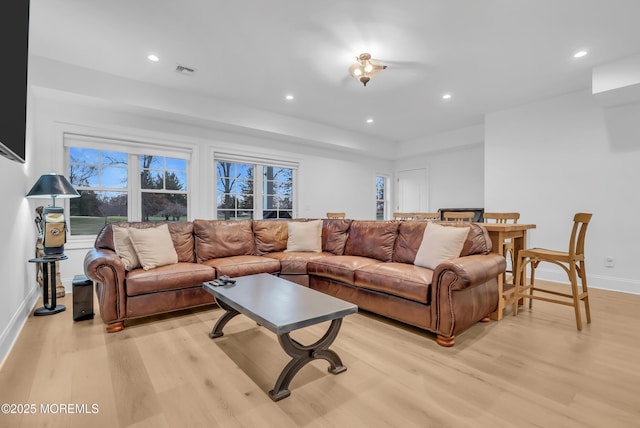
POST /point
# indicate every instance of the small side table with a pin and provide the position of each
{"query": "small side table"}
(49, 283)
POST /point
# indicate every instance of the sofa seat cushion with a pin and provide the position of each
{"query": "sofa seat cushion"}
(295, 262)
(398, 279)
(339, 268)
(235, 266)
(168, 277)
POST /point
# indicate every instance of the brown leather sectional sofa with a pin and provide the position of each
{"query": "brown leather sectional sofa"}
(368, 263)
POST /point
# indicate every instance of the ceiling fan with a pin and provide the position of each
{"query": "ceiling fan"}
(366, 67)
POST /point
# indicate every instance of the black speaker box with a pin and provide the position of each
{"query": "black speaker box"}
(82, 298)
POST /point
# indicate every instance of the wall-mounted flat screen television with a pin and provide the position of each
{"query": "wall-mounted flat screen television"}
(14, 40)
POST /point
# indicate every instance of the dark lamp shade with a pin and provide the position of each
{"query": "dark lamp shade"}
(53, 186)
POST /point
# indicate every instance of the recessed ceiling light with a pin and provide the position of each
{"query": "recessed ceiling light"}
(153, 58)
(580, 54)
(370, 120)
(289, 97)
(446, 97)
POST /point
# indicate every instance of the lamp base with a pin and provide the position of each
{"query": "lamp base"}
(46, 311)
(49, 250)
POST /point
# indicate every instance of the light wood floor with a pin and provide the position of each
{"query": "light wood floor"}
(535, 369)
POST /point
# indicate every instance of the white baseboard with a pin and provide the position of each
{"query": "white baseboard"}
(10, 334)
(602, 282)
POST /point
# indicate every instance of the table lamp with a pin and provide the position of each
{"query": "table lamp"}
(54, 230)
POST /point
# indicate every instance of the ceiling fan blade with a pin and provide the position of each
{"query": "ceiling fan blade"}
(401, 64)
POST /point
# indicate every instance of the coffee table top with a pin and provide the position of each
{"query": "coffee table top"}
(280, 305)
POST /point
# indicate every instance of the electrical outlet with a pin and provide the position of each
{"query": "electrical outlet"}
(609, 262)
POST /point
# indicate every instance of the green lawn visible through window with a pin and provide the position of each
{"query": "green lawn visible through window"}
(107, 192)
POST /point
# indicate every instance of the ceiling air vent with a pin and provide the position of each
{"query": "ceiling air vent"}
(187, 71)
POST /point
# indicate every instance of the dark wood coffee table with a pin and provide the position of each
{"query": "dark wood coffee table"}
(282, 306)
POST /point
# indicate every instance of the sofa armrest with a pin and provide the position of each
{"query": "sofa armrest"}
(105, 268)
(472, 270)
(464, 291)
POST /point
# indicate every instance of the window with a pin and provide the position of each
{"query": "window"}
(381, 195)
(277, 192)
(126, 184)
(101, 178)
(254, 190)
(235, 190)
(163, 183)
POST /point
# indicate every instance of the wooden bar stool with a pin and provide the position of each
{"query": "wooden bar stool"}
(402, 216)
(572, 262)
(336, 215)
(426, 216)
(466, 216)
(504, 218)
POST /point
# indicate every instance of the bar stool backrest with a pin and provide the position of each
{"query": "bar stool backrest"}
(501, 217)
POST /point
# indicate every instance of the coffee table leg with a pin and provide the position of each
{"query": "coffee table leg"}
(301, 355)
(223, 320)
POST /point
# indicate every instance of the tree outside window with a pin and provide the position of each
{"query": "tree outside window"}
(163, 183)
(278, 196)
(241, 195)
(381, 183)
(101, 179)
(106, 193)
(235, 191)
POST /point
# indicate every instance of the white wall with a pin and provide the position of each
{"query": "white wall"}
(18, 288)
(551, 159)
(455, 176)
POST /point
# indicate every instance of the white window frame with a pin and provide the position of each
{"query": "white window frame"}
(386, 199)
(258, 179)
(134, 148)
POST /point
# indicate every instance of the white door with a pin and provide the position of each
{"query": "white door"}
(413, 191)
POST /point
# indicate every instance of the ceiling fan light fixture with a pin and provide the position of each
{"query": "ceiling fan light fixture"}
(365, 68)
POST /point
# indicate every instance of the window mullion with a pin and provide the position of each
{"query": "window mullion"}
(134, 187)
(294, 193)
(258, 188)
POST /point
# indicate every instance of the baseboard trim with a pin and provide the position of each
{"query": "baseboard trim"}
(601, 282)
(10, 334)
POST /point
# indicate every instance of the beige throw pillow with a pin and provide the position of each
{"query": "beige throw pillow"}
(439, 244)
(154, 246)
(305, 236)
(124, 248)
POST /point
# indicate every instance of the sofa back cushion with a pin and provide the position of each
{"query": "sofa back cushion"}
(223, 238)
(181, 235)
(478, 241)
(374, 239)
(183, 241)
(334, 235)
(410, 236)
(270, 236)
